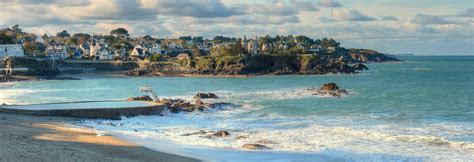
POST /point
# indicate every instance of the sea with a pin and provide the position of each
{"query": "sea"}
(419, 109)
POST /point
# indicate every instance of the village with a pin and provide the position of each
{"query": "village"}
(120, 46)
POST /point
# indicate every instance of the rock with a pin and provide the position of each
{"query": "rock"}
(180, 105)
(221, 134)
(330, 89)
(140, 98)
(359, 66)
(195, 133)
(206, 95)
(252, 146)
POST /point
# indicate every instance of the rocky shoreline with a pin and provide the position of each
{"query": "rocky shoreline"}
(248, 66)
(33, 78)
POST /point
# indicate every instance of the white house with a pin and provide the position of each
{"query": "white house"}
(105, 54)
(11, 50)
(138, 51)
(57, 51)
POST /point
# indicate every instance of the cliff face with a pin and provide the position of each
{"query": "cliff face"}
(262, 64)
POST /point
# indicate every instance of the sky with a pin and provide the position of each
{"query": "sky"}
(423, 27)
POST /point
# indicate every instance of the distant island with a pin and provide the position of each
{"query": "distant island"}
(25, 54)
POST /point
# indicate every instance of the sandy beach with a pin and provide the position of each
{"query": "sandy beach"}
(30, 138)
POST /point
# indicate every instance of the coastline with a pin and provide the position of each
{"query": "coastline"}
(31, 138)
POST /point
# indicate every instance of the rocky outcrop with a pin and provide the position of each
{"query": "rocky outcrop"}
(8, 78)
(140, 98)
(221, 134)
(253, 146)
(283, 64)
(359, 66)
(180, 105)
(330, 89)
(206, 96)
(208, 134)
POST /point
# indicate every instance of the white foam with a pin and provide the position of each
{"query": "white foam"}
(291, 135)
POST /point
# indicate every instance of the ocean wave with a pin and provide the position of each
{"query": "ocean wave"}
(283, 134)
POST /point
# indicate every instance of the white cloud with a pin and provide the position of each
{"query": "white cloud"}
(329, 3)
(347, 15)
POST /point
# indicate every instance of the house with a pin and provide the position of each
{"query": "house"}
(100, 50)
(84, 49)
(11, 50)
(57, 51)
(138, 51)
(156, 48)
(253, 46)
(331, 49)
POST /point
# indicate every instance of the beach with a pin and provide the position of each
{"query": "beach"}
(31, 138)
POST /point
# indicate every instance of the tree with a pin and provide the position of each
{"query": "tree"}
(63, 34)
(198, 39)
(120, 32)
(329, 42)
(4, 39)
(147, 37)
(16, 29)
(155, 57)
(81, 37)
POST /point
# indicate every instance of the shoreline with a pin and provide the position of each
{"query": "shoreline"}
(32, 138)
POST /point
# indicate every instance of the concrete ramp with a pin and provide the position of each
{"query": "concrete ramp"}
(87, 109)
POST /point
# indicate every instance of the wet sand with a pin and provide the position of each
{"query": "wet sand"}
(31, 138)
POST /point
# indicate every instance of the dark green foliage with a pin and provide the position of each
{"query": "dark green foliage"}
(4, 39)
(63, 34)
(120, 32)
(155, 57)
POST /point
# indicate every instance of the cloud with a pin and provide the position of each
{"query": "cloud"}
(432, 19)
(329, 3)
(191, 8)
(389, 18)
(256, 19)
(467, 13)
(346, 15)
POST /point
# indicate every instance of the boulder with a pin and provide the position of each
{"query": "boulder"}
(179, 105)
(206, 96)
(221, 134)
(359, 66)
(140, 98)
(330, 89)
(253, 146)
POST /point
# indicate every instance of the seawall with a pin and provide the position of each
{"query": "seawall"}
(74, 66)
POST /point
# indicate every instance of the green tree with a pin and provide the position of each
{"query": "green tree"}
(4, 39)
(16, 29)
(120, 32)
(63, 34)
(155, 57)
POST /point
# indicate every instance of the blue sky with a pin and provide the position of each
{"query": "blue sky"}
(426, 27)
